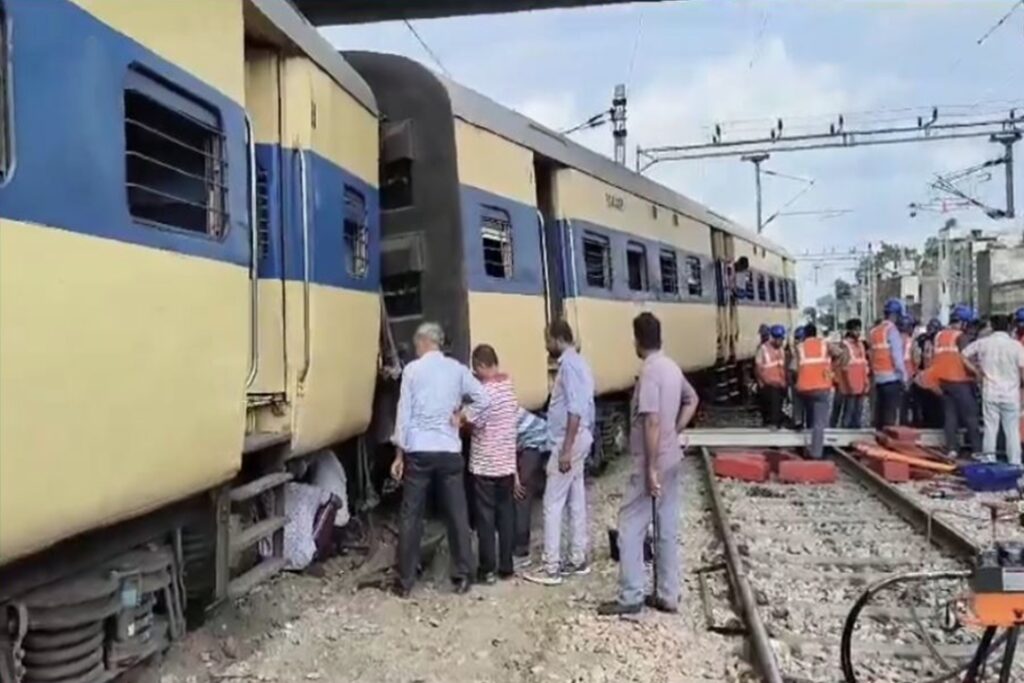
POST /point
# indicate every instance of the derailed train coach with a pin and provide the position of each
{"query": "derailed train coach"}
(215, 234)
(493, 225)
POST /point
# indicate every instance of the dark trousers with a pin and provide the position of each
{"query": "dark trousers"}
(888, 403)
(424, 471)
(530, 463)
(961, 412)
(850, 409)
(930, 408)
(908, 410)
(495, 512)
(772, 399)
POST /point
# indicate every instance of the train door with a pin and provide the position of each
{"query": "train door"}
(727, 321)
(550, 238)
(263, 101)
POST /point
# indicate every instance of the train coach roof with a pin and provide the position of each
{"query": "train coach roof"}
(484, 112)
(296, 29)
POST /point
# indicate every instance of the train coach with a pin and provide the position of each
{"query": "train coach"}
(493, 225)
(214, 234)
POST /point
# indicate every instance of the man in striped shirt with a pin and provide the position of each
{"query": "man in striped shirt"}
(492, 462)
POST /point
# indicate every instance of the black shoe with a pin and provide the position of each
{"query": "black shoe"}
(661, 605)
(617, 609)
(401, 591)
(505, 576)
(460, 586)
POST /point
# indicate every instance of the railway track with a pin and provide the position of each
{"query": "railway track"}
(798, 557)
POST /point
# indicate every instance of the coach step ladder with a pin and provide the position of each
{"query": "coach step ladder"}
(264, 494)
(726, 383)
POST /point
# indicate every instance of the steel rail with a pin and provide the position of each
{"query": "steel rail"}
(763, 655)
(936, 530)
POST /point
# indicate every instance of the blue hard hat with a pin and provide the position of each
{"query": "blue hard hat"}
(961, 314)
(1018, 317)
(798, 333)
(778, 331)
(893, 307)
(934, 325)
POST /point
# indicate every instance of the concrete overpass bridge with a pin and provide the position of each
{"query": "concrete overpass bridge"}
(325, 12)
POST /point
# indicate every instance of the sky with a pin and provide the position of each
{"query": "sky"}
(689, 64)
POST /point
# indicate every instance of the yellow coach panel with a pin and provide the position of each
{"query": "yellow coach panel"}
(586, 198)
(494, 164)
(514, 325)
(320, 115)
(203, 37)
(94, 431)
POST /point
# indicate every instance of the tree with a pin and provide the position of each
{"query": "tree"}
(843, 289)
(811, 314)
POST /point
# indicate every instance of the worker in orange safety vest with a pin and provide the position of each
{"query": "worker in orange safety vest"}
(814, 358)
(908, 409)
(888, 367)
(960, 403)
(852, 378)
(770, 368)
(926, 389)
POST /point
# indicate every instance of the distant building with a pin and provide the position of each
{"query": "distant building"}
(1000, 281)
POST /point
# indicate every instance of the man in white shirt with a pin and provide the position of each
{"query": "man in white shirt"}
(998, 360)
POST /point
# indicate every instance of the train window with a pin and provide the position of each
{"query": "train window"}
(496, 232)
(694, 279)
(597, 259)
(357, 234)
(262, 210)
(669, 272)
(772, 293)
(175, 165)
(748, 287)
(5, 114)
(396, 184)
(636, 266)
(402, 294)
(762, 290)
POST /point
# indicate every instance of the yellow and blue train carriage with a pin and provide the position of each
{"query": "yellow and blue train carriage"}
(124, 266)
(189, 275)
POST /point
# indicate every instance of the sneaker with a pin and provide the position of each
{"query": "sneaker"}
(522, 562)
(575, 569)
(617, 609)
(544, 578)
(486, 578)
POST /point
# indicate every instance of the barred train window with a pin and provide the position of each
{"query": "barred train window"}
(597, 258)
(761, 290)
(174, 159)
(772, 292)
(5, 113)
(636, 266)
(262, 210)
(694, 280)
(496, 233)
(357, 234)
(669, 272)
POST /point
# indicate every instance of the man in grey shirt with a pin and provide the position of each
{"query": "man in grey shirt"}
(570, 435)
(663, 404)
(428, 451)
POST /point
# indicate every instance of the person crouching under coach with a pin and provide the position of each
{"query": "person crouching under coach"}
(770, 367)
(570, 433)
(428, 452)
(814, 357)
(663, 403)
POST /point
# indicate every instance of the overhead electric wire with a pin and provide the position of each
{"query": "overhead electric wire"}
(1016, 6)
(636, 48)
(426, 48)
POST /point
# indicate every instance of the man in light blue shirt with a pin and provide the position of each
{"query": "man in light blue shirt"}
(570, 435)
(428, 451)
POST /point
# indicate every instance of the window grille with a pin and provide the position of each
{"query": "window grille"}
(694, 280)
(636, 266)
(496, 233)
(175, 164)
(597, 259)
(669, 272)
